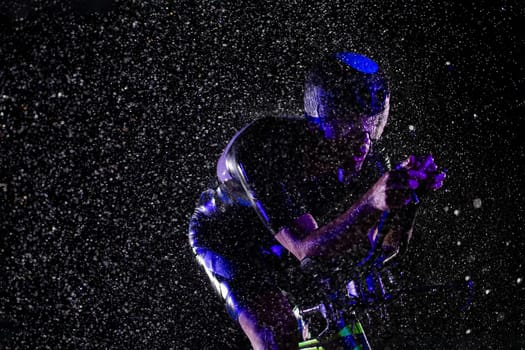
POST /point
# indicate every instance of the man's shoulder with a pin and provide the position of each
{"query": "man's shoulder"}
(272, 134)
(259, 158)
(272, 144)
(269, 128)
(263, 140)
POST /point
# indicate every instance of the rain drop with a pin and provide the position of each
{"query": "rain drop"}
(476, 203)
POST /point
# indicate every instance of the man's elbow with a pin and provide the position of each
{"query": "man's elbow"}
(295, 246)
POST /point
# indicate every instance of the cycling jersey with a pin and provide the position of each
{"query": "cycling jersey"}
(273, 171)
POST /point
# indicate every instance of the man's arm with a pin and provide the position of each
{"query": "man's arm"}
(350, 229)
(262, 311)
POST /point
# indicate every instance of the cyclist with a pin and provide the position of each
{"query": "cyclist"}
(296, 188)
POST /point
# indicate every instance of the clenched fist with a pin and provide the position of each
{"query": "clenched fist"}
(398, 187)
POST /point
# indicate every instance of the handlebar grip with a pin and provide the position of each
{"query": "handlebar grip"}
(403, 218)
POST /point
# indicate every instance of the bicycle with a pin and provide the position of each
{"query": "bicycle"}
(346, 296)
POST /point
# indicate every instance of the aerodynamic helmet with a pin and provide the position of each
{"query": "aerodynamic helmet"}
(347, 89)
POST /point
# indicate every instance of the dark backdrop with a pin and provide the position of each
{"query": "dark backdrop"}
(113, 114)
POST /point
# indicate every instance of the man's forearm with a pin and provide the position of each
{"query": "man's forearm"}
(346, 231)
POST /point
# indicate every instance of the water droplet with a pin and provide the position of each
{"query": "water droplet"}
(476, 203)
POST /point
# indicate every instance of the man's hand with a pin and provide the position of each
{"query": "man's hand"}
(397, 187)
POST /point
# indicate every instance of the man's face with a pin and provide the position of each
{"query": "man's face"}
(352, 140)
(342, 120)
(352, 136)
(345, 148)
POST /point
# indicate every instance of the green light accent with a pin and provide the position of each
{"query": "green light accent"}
(309, 343)
(312, 344)
(345, 332)
(358, 328)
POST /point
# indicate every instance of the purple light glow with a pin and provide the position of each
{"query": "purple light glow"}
(277, 250)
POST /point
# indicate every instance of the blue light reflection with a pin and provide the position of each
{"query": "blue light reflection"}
(359, 62)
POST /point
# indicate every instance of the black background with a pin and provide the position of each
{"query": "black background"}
(113, 114)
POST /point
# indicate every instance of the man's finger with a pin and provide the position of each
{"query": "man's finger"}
(417, 174)
(440, 177)
(432, 167)
(428, 161)
(436, 185)
(403, 164)
(413, 184)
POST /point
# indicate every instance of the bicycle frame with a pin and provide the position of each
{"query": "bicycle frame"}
(348, 337)
(341, 310)
(343, 329)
